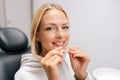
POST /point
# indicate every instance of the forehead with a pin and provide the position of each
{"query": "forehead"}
(55, 15)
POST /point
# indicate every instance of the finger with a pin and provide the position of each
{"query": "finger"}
(58, 48)
(57, 60)
(72, 59)
(73, 48)
(57, 51)
(78, 54)
(53, 61)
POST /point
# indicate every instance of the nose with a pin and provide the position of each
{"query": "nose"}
(59, 33)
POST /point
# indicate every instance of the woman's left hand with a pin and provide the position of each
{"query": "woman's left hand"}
(79, 62)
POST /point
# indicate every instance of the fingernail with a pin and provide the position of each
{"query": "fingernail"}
(62, 51)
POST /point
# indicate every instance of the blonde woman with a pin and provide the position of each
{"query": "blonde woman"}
(50, 35)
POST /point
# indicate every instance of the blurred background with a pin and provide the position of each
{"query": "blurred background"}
(95, 25)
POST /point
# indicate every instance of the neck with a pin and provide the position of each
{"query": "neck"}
(43, 53)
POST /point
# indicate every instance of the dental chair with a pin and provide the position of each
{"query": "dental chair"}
(13, 43)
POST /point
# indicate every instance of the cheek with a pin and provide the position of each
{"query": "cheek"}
(43, 36)
(67, 36)
(46, 38)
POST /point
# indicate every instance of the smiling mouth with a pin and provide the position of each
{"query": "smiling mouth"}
(58, 44)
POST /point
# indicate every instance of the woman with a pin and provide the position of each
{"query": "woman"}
(50, 35)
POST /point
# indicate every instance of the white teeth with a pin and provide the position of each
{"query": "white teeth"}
(59, 43)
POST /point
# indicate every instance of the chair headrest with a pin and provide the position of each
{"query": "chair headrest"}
(13, 40)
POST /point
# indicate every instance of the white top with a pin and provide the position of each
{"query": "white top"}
(106, 73)
(31, 69)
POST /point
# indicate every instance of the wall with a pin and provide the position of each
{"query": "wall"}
(95, 26)
(2, 14)
(18, 14)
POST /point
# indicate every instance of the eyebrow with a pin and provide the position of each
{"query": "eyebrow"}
(55, 24)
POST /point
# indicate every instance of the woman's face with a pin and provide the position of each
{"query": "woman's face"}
(53, 31)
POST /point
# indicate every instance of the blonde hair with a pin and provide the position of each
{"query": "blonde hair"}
(36, 47)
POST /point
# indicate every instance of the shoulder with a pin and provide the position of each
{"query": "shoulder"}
(30, 73)
(30, 69)
(30, 60)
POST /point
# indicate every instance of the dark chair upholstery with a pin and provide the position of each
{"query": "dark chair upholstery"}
(13, 43)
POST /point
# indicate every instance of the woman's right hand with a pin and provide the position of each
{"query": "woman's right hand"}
(51, 62)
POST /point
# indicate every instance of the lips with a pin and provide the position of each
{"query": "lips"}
(58, 44)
